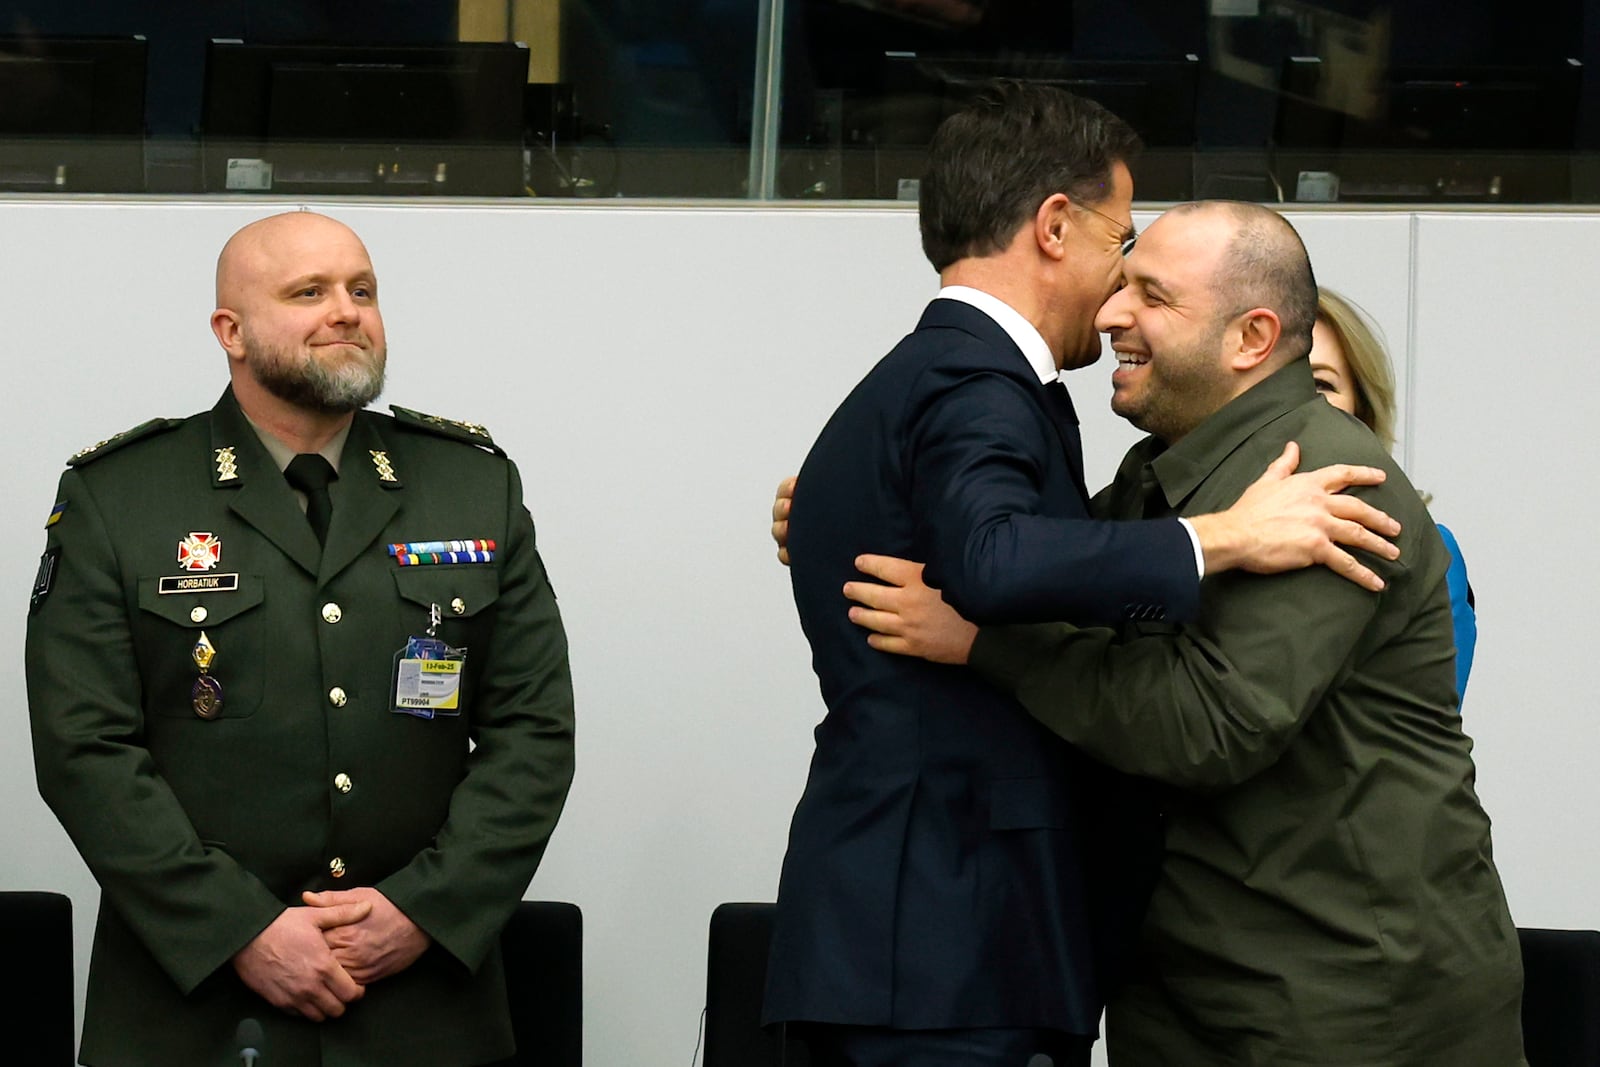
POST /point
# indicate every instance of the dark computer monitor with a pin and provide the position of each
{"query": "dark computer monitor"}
(1155, 97)
(1499, 108)
(441, 119)
(72, 114)
(1495, 133)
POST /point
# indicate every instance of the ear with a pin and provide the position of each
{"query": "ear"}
(229, 330)
(1050, 224)
(1257, 333)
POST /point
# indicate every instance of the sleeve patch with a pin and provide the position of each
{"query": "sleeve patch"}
(45, 578)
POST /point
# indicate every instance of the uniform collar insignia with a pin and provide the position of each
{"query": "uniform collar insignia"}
(385, 468)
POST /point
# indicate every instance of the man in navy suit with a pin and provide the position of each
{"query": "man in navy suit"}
(958, 881)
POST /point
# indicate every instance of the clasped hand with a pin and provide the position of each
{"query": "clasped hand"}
(316, 959)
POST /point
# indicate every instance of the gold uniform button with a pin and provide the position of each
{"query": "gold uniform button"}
(342, 783)
(336, 867)
(458, 606)
(198, 614)
(337, 698)
(332, 612)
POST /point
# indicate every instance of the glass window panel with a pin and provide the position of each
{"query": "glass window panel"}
(1272, 100)
(662, 92)
(377, 97)
(1355, 101)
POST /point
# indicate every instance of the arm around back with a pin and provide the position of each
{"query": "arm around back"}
(1003, 545)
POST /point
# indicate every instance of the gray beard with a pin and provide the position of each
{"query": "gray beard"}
(312, 386)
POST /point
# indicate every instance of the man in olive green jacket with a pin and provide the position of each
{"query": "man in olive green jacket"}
(1327, 894)
(312, 772)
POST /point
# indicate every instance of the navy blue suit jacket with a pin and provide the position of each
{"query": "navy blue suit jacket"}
(948, 864)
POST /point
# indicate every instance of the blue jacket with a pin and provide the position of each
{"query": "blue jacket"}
(1462, 610)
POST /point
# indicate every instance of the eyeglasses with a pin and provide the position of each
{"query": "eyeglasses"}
(1127, 242)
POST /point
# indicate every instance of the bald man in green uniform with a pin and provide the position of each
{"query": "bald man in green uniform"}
(1327, 894)
(300, 696)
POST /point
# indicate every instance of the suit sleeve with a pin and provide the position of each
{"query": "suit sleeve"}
(193, 906)
(464, 888)
(1201, 707)
(977, 459)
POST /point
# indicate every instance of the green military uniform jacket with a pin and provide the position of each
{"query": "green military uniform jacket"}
(201, 830)
(1327, 894)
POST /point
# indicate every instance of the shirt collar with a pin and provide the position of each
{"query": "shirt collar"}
(281, 453)
(1020, 330)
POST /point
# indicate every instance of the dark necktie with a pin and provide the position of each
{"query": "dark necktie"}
(310, 473)
(1066, 417)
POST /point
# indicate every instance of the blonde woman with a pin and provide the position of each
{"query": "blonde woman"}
(1353, 372)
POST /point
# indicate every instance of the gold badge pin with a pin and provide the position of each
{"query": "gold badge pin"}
(227, 465)
(206, 695)
(204, 652)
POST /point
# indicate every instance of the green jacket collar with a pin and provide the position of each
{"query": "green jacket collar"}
(1180, 469)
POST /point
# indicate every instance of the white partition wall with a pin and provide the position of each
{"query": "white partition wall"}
(655, 371)
(1506, 418)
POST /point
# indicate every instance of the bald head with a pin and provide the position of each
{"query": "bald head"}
(1264, 264)
(267, 246)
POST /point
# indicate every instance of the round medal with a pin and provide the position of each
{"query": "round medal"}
(207, 697)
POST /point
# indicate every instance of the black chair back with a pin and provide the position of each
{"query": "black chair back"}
(736, 976)
(543, 949)
(1561, 997)
(36, 1012)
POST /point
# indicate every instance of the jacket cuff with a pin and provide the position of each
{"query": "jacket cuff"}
(1003, 655)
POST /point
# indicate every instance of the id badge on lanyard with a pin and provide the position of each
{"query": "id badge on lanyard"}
(427, 674)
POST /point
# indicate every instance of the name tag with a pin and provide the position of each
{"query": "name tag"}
(199, 583)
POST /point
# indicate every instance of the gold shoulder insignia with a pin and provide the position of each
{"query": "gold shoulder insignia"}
(116, 441)
(470, 432)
